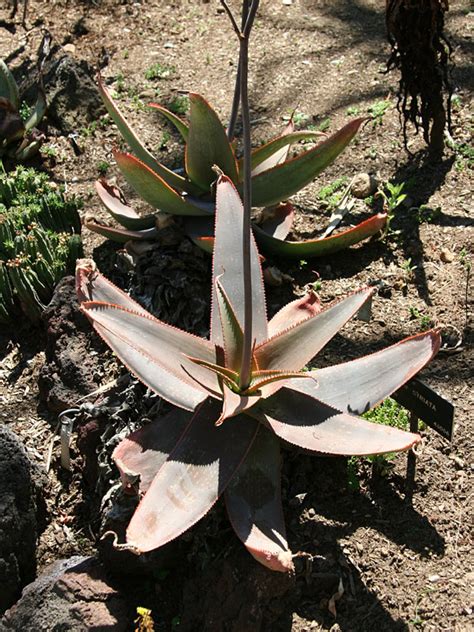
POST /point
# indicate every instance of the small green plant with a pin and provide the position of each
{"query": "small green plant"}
(331, 193)
(324, 125)
(159, 71)
(392, 195)
(179, 105)
(408, 268)
(424, 320)
(39, 242)
(426, 214)
(377, 111)
(19, 138)
(353, 110)
(102, 167)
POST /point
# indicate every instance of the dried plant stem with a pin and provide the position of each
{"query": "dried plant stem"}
(236, 100)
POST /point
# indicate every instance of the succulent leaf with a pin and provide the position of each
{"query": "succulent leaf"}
(181, 126)
(135, 337)
(207, 145)
(253, 501)
(280, 182)
(319, 247)
(193, 477)
(235, 403)
(38, 111)
(143, 452)
(172, 179)
(152, 188)
(228, 263)
(8, 86)
(276, 151)
(294, 312)
(113, 201)
(292, 348)
(120, 235)
(232, 333)
(361, 384)
(322, 428)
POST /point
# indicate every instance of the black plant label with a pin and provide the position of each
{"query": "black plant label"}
(427, 405)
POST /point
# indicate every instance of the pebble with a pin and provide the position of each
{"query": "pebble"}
(70, 48)
(446, 256)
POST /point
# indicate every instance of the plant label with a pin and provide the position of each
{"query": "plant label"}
(425, 403)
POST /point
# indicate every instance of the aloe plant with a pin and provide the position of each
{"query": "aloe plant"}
(222, 439)
(39, 242)
(19, 139)
(275, 178)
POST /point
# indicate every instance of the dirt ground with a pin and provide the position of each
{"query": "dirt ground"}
(394, 565)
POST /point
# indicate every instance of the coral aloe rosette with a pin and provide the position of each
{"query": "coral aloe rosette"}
(223, 436)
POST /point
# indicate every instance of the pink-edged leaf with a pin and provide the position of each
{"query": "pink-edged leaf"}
(292, 348)
(143, 452)
(91, 285)
(201, 231)
(120, 235)
(207, 145)
(311, 424)
(253, 501)
(277, 221)
(191, 480)
(228, 263)
(221, 371)
(234, 403)
(180, 125)
(136, 145)
(319, 247)
(294, 312)
(361, 384)
(261, 380)
(284, 180)
(152, 188)
(232, 333)
(157, 353)
(276, 151)
(270, 154)
(112, 198)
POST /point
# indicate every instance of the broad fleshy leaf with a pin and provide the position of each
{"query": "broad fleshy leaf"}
(91, 285)
(154, 189)
(228, 263)
(278, 220)
(231, 329)
(38, 112)
(180, 125)
(191, 480)
(235, 403)
(276, 151)
(136, 145)
(253, 501)
(157, 353)
(311, 424)
(112, 198)
(294, 312)
(120, 235)
(142, 453)
(286, 179)
(319, 247)
(292, 348)
(361, 384)
(207, 145)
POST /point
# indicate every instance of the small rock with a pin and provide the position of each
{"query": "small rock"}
(363, 185)
(434, 578)
(70, 48)
(275, 277)
(446, 256)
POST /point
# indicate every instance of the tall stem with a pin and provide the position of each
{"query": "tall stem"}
(236, 100)
(247, 270)
(247, 21)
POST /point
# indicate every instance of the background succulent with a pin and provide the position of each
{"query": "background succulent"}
(39, 242)
(19, 137)
(275, 178)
